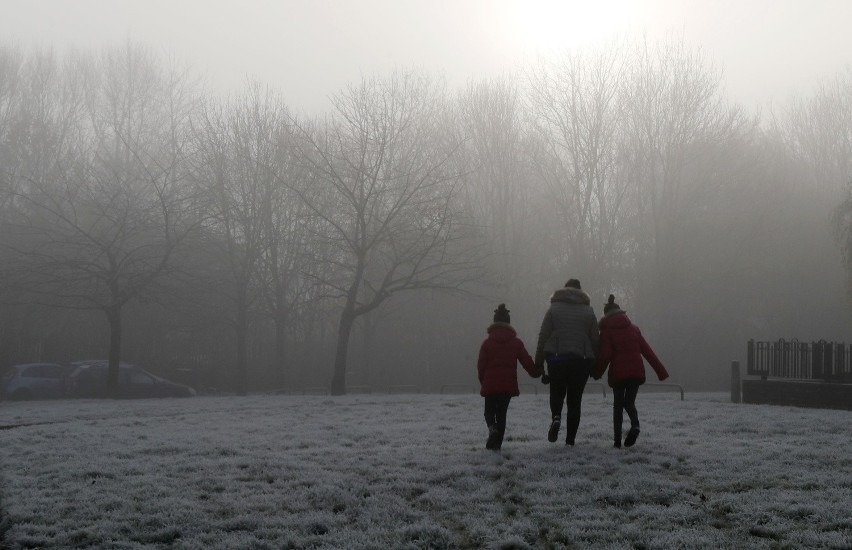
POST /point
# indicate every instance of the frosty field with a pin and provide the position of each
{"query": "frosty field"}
(411, 471)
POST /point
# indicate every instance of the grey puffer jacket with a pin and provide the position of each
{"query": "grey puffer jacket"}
(569, 326)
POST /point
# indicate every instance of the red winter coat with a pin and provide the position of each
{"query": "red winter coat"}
(622, 348)
(498, 361)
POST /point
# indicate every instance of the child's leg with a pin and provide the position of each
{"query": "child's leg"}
(490, 410)
(617, 407)
(630, 391)
(491, 402)
(502, 410)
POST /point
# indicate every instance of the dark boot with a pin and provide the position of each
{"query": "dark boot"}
(617, 443)
(553, 432)
(493, 438)
(630, 440)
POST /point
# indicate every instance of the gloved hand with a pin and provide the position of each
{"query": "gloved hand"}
(545, 379)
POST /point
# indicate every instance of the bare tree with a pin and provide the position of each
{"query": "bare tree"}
(577, 102)
(102, 209)
(236, 171)
(289, 230)
(817, 135)
(12, 116)
(818, 132)
(675, 109)
(500, 183)
(385, 188)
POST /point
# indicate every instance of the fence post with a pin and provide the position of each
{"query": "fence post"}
(817, 359)
(736, 388)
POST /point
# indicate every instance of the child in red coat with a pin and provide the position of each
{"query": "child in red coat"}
(622, 348)
(497, 367)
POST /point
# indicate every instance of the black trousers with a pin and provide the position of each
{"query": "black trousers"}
(567, 381)
(624, 400)
(496, 407)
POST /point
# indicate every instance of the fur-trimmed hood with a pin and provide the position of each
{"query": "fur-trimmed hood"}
(501, 331)
(617, 318)
(570, 295)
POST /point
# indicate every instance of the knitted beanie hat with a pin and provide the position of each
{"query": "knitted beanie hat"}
(501, 314)
(573, 283)
(610, 304)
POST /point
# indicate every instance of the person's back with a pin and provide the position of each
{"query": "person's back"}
(622, 350)
(568, 341)
(499, 356)
(569, 326)
(497, 368)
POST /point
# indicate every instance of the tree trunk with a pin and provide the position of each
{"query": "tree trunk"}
(113, 314)
(338, 382)
(280, 368)
(242, 344)
(367, 352)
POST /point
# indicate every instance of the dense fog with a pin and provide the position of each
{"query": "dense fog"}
(237, 245)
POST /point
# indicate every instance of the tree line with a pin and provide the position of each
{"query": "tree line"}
(240, 245)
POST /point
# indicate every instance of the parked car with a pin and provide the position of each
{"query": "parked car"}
(89, 379)
(34, 381)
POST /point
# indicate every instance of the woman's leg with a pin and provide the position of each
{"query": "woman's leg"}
(558, 387)
(578, 375)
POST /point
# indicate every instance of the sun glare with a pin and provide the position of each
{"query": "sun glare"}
(544, 26)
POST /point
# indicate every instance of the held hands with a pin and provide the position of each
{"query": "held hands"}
(539, 361)
(539, 364)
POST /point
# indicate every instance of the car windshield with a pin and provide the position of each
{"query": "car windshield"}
(43, 371)
(140, 378)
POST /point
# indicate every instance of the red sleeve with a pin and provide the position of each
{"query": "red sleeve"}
(526, 361)
(652, 358)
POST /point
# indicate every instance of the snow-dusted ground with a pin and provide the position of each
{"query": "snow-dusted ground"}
(411, 471)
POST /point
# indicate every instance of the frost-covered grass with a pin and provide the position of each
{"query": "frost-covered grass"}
(400, 471)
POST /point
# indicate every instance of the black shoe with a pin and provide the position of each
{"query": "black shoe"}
(631, 437)
(617, 444)
(493, 443)
(553, 432)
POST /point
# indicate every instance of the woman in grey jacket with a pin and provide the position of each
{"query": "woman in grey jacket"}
(568, 341)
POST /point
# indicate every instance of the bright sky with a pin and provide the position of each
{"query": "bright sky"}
(308, 49)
